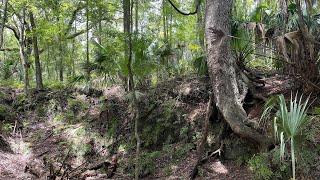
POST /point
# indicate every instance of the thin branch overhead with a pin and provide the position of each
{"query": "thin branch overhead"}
(184, 13)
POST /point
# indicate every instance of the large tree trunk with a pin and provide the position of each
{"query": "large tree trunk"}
(228, 88)
(39, 84)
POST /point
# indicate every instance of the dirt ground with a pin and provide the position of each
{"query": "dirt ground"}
(42, 144)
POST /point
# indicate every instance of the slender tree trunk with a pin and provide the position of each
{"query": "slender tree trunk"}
(4, 19)
(164, 19)
(39, 84)
(136, 16)
(23, 54)
(61, 60)
(127, 32)
(74, 56)
(200, 25)
(229, 90)
(100, 27)
(87, 44)
(127, 24)
(60, 68)
(47, 63)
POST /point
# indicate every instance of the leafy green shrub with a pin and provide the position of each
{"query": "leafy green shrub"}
(6, 128)
(281, 169)
(4, 112)
(112, 127)
(177, 151)
(2, 95)
(148, 162)
(70, 116)
(54, 84)
(41, 110)
(259, 164)
(19, 102)
(77, 106)
(12, 83)
(58, 118)
(162, 127)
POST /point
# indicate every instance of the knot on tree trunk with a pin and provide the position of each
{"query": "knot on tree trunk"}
(216, 35)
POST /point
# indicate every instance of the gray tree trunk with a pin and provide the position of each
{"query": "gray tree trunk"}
(127, 27)
(23, 53)
(228, 87)
(200, 24)
(60, 63)
(4, 19)
(39, 84)
(87, 42)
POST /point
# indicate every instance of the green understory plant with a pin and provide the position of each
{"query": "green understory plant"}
(289, 123)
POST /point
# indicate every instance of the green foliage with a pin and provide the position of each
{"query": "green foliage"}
(292, 122)
(147, 161)
(113, 125)
(260, 166)
(12, 84)
(242, 45)
(54, 84)
(6, 128)
(59, 117)
(201, 66)
(162, 127)
(175, 151)
(77, 106)
(289, 124)
(5, 112)
(41, 111)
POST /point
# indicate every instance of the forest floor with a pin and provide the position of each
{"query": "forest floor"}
(88, 135)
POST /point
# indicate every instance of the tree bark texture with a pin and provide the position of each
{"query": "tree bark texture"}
(228, 88)
(39, 84)
(23, 53)
(4, 19)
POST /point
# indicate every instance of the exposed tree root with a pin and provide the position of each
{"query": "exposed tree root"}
(210, 155)
(211, 109)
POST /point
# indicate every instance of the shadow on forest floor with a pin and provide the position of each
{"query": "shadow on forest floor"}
(70, 133)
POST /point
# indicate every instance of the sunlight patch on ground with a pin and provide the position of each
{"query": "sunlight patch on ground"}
(219, 168)
(12, 165)
(19, 146)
